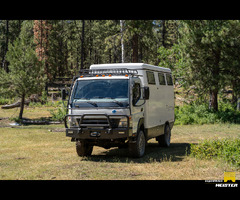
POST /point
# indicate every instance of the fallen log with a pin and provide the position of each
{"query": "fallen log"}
(14, 105)
(39, 122)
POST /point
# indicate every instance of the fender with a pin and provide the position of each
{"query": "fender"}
(140, 124)
(139, 127)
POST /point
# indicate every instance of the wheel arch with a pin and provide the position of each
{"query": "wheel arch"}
(141, 127)
(166, 123)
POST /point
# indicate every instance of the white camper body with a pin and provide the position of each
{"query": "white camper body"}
(146, 108)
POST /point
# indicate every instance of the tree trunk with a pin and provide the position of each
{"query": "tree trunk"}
(238, 104)
(135, 48)
(4, 62)
(110, 56)
(22, 106)
(234, 97)
(215, 81)
(214, 102)
(163, 33)
(122, 44)
(82, 49)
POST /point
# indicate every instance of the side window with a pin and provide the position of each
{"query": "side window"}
(150, 78)
(161, 79)
(136, 93)
(169, 79)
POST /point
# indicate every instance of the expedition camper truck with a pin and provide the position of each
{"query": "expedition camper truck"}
(117, 105)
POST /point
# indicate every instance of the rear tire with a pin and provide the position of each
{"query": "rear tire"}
(137, 149)
(83, 148)
(164, 140)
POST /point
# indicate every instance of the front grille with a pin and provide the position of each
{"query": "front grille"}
(99, 122)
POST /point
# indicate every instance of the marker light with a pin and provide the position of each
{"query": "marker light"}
(103, 75)
(109, 75)
(96, 75)
(81, 76)
(126, 75)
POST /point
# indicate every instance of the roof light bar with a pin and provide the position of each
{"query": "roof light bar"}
(108, 72)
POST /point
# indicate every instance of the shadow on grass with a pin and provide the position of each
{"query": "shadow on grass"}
(154, 153)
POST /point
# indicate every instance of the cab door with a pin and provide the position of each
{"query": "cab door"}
(137, 108)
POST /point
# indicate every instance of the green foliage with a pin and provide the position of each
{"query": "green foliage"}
(26, 72)
(44, 97)
(200, 114)
(3, 101)
(206, 56)
(46, 104)
(59, 114)
(173, 58)
(66, 47)
(193, 114)
(226, 149)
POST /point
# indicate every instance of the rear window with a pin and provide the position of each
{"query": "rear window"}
(161, 79)
(169, 79)
(150, 78)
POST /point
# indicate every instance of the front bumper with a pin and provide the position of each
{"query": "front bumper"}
(93, 131)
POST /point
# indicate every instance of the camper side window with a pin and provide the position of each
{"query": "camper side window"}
(169, 79)
(161, 79)
(150, 78)
(136, 93)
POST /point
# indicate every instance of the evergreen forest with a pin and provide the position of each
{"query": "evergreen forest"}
(202, 54)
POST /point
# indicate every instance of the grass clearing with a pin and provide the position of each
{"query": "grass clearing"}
(29, 112)
(34, 152)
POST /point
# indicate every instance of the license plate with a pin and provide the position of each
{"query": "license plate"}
(95, 134)
(70, 132)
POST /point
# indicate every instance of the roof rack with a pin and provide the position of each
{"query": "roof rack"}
(116, 72)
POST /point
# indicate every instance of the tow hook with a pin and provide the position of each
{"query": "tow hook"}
(108, 130)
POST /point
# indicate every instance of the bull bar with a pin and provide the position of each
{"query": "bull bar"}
(92, 131)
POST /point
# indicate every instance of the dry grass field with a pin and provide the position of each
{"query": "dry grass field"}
(40, 153)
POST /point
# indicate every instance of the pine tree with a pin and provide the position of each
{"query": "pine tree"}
(136, 30)
(41, 31)
(210, 49)
(26, 72)
(9, 30)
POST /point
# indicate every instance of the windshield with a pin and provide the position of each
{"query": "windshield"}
(100, 93)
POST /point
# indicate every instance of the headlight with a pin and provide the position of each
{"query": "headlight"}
(123, 122)
(72, 121)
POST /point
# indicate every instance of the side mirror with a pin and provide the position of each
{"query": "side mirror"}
(64, 94)
(146, 93)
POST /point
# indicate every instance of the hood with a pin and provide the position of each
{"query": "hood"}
(108, 111)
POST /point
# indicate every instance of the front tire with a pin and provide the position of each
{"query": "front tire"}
(83, 148)
(137, 149)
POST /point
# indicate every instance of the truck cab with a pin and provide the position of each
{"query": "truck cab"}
(116, 105)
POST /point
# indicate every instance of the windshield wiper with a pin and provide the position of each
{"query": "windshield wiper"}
(90, 102)
(114, 100)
